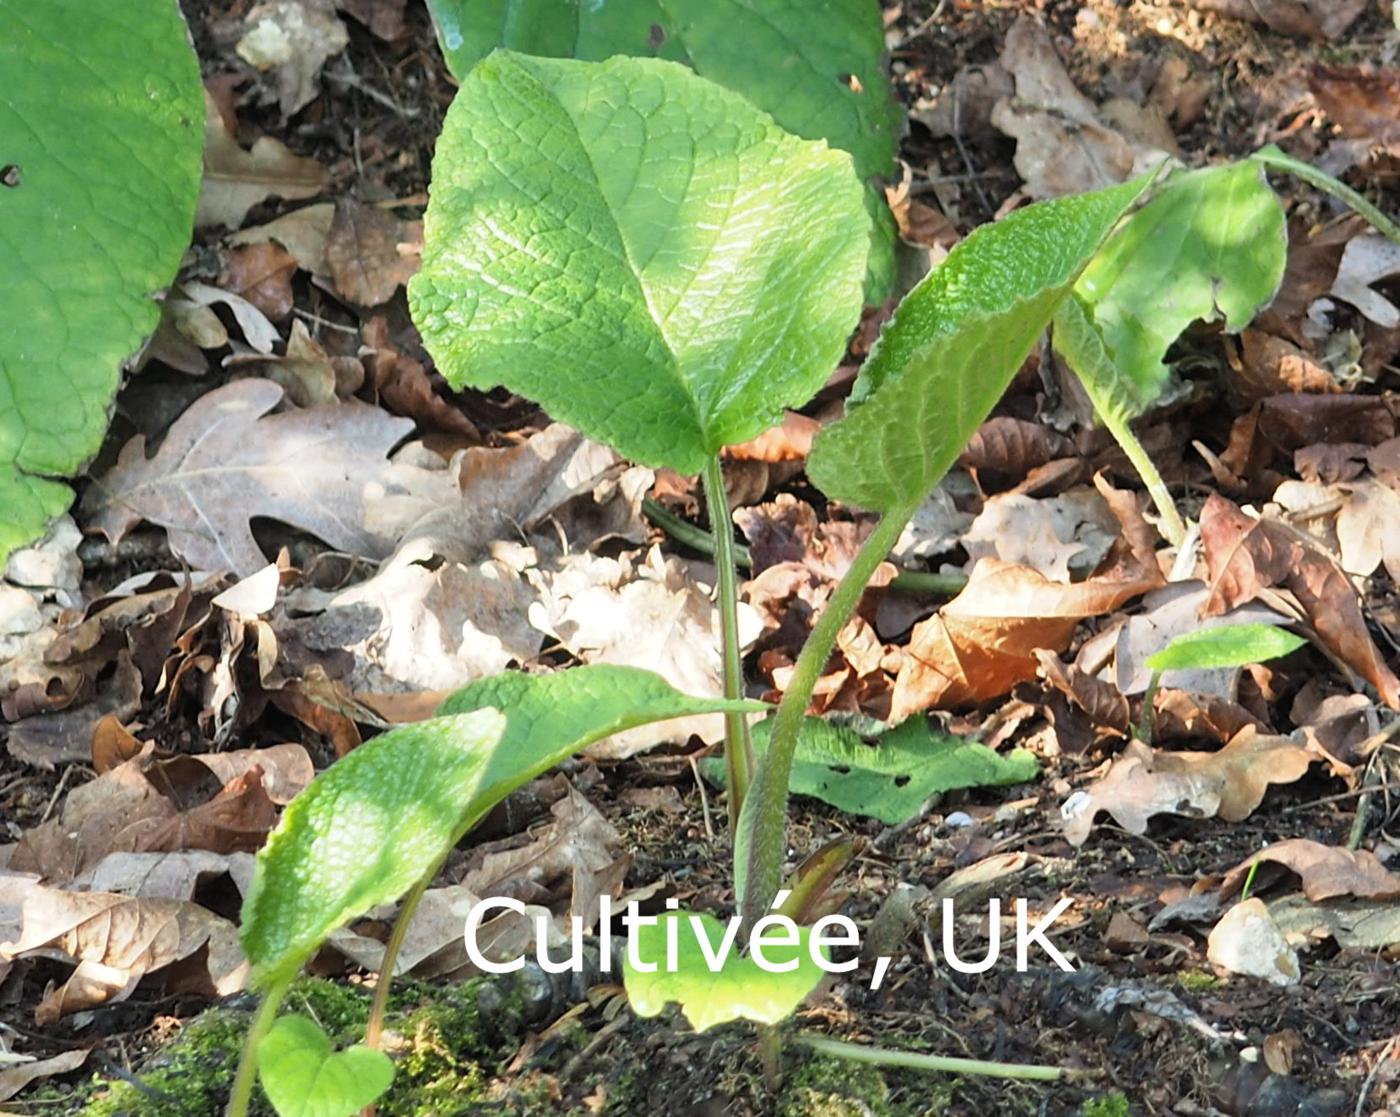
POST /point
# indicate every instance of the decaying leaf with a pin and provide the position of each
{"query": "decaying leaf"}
(1248, 941)
(1143, 782)
(983, 642)
(1353, 924)
(1063, 145)
(235, 179)
(116, 940)
(1325, 871)
(226, 460)
(370, 252)
(16, 1078)
(1313, 19)
(302, 233)
(1062, 537)
(1248, 555)
(291, 40)
(1367, 259)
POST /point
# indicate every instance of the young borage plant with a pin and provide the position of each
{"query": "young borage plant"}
(661, 265)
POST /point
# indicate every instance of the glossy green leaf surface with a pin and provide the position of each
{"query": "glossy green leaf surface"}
(639, 250)
(816, 66)
(375, 822)
(101, 129)
(891, 777)
(1210, 244)
(953, 345)
(715, 987)
(303, 1077)
(1231, 645)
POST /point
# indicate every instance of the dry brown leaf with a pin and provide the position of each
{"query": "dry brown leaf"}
(964, 106)
(302, 233)
(790, 441)
(235, 179)
(1271, 365)
(1102, 701)
(1144, 782)
(1363, 101)
(166, 876)
(116, 940)
(308, 375)
(363, 254)
(1063, 146)
(237, 820)
(262, 274)
(1325, 871)
(1060, 537)
(292, 40)
(15, 1078)
(1013, 447)
(983, 642)
(383, 17)
(1368, 529)
(225, 461)
(405, 387)
(1368, 259)
(1354, 924)
(1247, 556)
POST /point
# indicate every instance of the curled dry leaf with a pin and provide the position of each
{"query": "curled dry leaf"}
(983, 642)
(1062, 537)
(1143, 782)
(1102, 701)
(1368, 259)
(262, 274)
(235, 179)
(116, 940)
(1326, 872)
(1363, 101)
(1247, 555)
(16, 1078)
(302, 233)
(789, 441)
(1013, 447)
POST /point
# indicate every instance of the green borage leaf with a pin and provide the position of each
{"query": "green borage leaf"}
(101, 129)
(1210, 244)
(817, 66)
(892, 778)
(952, 347)
(377, 821)
(712, 991)
(1230, 645)
(639, 250)
(303, 1077)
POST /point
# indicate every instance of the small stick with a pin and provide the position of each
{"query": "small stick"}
(943, 1064)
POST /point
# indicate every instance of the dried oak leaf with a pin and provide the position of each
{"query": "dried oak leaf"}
(235, 179)
(116, 940)
(789, 441)
(1247, 555)
(225, 461)
(1143, 782)
(1013, 447)
(1271, 365)
(364, 255)
(983, 642)
(1326, 871)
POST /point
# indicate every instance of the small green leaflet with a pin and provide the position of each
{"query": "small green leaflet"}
(1209, 244)
(101, 129)
(377, 821)
(1229, 645)
(303, 1077)
(712, 985)
(892, 778)
(819, 72)
(952, 347)
(639, 250)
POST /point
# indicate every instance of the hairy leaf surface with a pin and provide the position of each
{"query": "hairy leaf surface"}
(641, 251)
(817, 68)
(892, 778)
(368, 828)
(950, 350)
(101, 117)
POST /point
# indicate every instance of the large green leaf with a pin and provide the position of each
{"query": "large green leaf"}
(303, 1077)
(892, 776)
(639, 250)
(716, 992)
(817, 66)
(954, 343)
(1210, 244)
(374, 823)
(101, 120)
